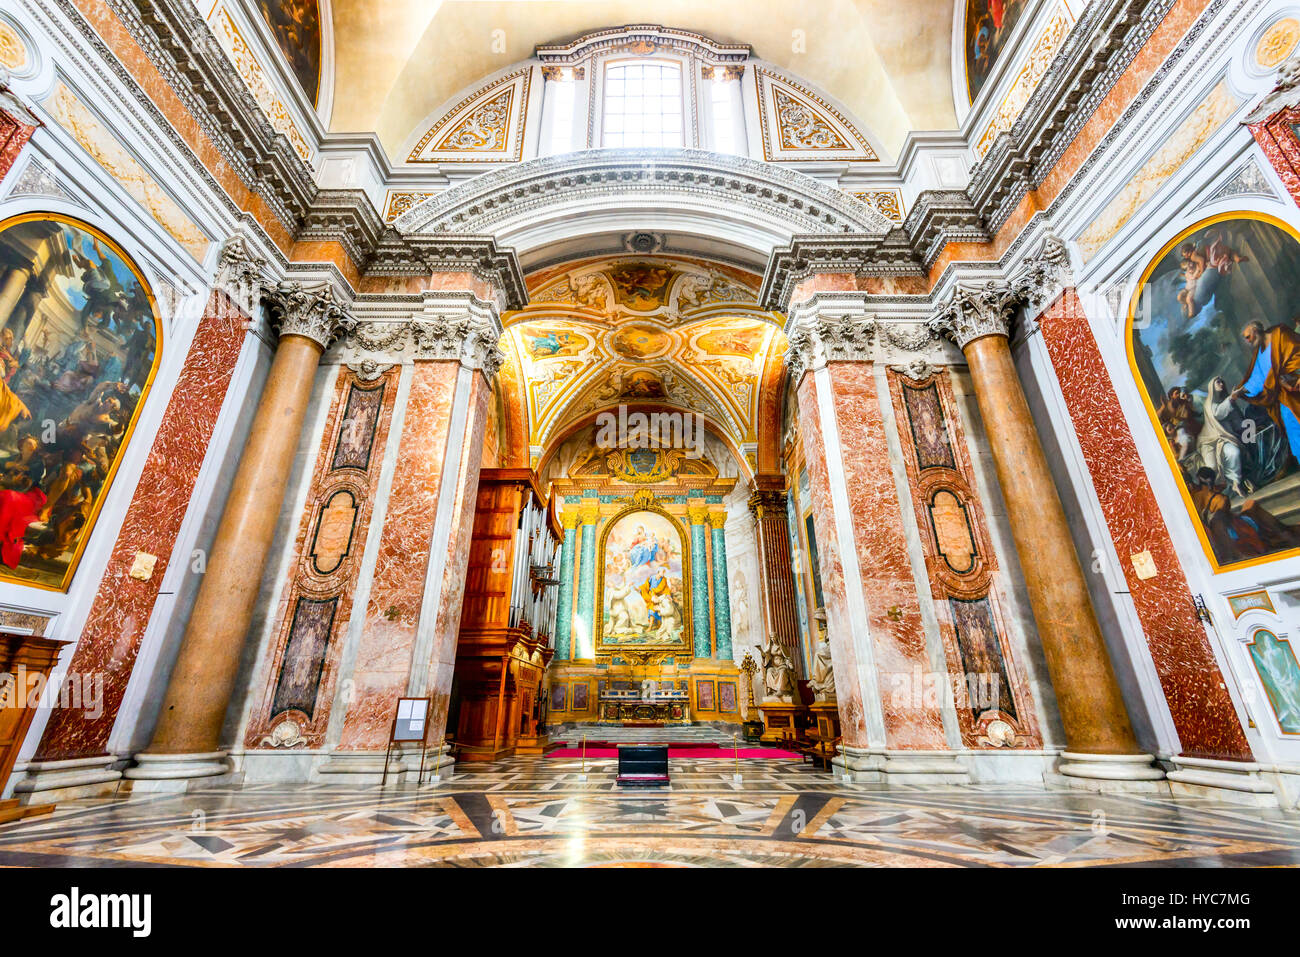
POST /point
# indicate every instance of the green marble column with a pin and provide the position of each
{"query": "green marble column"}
(700, 582)
(721, 600)
(585, 620)
(564, 605)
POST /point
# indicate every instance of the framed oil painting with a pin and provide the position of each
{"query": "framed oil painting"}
(1214, 345)
(642, 582)
(78, 345)
(989, 23)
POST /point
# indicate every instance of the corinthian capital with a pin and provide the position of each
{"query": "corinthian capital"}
(239, 274)
(975, 312)
(820, 338)
(315, 313)
(1043, 273)
(470, 339)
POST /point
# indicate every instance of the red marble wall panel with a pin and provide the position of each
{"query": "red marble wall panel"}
(13, 137)
(912, 719)
(1202, 711)
(383, 663)
(1276, 136)
(839, 627)
(110, 640)
(307, 581)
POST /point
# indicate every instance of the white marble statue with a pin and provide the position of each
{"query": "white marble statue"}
(822, 681)
(778, 673)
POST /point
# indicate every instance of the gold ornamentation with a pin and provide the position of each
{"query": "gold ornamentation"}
(13, 52)
(1277, 42)
(802, 128)
(399, 203)
(718, 519)
(887, 202)
(622, 465)
(590, 514)
(1027, 80)
(796, 123)
(488, 125)
(569, 518)
(254, 77)
(699, 514)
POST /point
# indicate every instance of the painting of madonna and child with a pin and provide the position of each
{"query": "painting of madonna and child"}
(77, 342)
(1215, 341)
(643, 591)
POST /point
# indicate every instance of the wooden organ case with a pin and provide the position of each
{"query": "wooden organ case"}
(508, 619)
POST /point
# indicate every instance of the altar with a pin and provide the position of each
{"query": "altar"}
(634, 707)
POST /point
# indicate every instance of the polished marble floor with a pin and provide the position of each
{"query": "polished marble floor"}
(540, 813)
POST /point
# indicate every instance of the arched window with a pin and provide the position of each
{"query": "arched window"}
(642, 104)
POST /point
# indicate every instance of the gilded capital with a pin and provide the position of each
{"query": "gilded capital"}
(698, 514)
(590, 514)
(569, 518)
(718, 519)
(767, 500)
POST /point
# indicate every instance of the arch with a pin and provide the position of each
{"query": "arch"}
(79, 314)
(709, 204)
(574, 426)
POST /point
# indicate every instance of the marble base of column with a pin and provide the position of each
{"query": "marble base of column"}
(359, 768)
(48, 782)
(178, 768)
(1233, 782)
(1111, 772)
(894, 768)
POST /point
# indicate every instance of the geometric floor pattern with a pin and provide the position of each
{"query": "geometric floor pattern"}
(540, 812)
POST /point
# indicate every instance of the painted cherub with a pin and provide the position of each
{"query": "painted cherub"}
(1192, 265)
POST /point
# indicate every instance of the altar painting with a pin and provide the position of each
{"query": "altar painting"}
(1214, 344)
(643, 587)
(988, 25)
(77, 355)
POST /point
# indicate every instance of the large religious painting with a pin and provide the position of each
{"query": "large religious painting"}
(78, 344)
(988, 25)
(295, 24)
(1213, 340)
(643, 589)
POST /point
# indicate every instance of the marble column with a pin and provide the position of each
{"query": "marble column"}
(564, 604)
(721, 600)
(186, 740)
(1101, 746)
(585, 620)
(699, 516)
(780, 609)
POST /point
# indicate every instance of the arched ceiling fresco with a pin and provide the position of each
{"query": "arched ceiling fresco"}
(646, 331)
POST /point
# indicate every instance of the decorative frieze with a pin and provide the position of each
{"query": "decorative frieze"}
(470, 339)
(820, 338)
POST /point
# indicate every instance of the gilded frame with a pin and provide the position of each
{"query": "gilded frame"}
(1193, 514)
(685, 646)
(107, 487)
